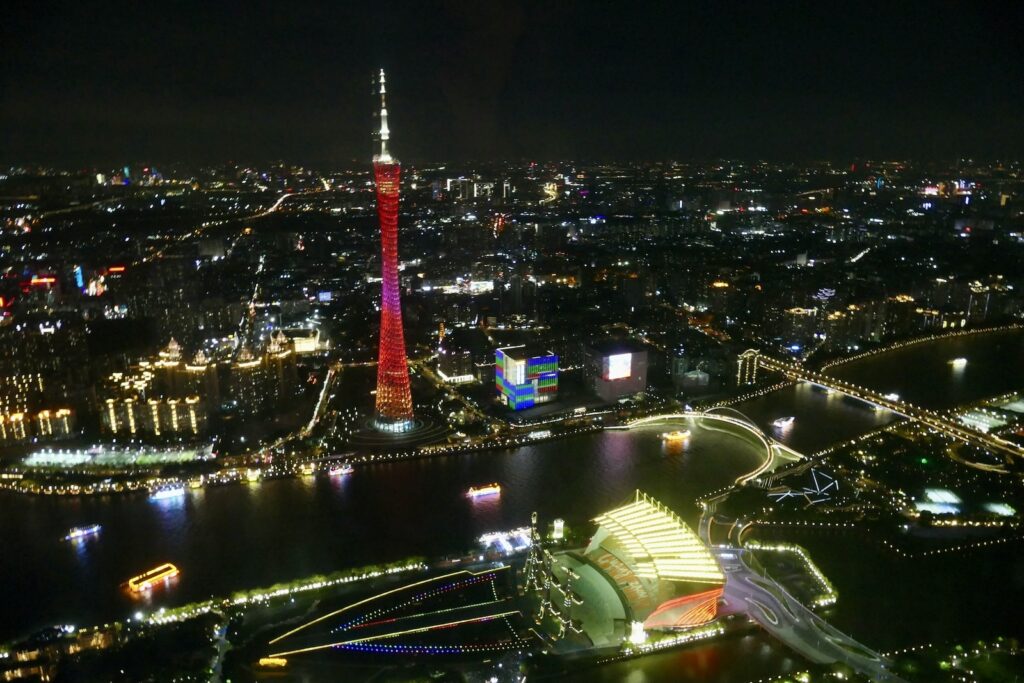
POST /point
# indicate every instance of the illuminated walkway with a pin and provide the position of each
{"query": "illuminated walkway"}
(775, 453)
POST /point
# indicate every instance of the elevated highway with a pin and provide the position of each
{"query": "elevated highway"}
(770, 605)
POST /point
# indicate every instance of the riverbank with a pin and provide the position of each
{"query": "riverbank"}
(81, 482)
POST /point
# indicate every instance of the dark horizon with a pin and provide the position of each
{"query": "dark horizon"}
(197, 84)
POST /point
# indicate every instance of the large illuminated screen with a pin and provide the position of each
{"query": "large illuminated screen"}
(619, 366)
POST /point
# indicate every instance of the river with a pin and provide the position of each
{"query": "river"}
(242, 536)
(919, 373)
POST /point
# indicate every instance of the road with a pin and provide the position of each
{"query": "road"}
(202, 227)
(423, 367)
(782, 615)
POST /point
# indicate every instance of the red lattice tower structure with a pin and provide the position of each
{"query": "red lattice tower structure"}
(394, 400)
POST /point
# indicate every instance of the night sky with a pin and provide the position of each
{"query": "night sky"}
(104, 83)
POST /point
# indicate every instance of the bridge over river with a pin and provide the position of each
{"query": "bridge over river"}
(905, 409)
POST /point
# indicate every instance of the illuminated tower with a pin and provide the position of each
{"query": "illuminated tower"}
(394, 401)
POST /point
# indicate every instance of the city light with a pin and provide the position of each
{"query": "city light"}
(437, 386)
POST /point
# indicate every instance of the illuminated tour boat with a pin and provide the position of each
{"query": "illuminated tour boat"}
(958, 363)
(783, 421)
(307, 469)
(78, 532)
(273, 662)
(165, 493)
(481, 491)
(342, 470)
(143, 582)
(675, 436)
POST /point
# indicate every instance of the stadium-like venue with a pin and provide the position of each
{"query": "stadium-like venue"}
(644, 581)
(644, 570)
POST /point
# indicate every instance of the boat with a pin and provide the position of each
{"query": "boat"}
(273, 662)
(145, 581)
(307, 469)
(77, 532)
(195, 483)
(958, 363)
(487, 490)
(169, 492)
(783, 421)
(676, 435)
(342, 470)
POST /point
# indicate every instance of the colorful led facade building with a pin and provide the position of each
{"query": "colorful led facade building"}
(525, 377)
(394, 400)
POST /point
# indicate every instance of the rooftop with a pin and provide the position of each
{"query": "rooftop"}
(660, 543)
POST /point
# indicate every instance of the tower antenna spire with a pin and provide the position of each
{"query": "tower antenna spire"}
(384, 133)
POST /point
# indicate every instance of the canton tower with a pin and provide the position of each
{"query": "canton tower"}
(394, 400)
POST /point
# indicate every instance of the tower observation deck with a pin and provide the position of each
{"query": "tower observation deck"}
(394, 399)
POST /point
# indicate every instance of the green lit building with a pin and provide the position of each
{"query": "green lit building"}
(525, 377)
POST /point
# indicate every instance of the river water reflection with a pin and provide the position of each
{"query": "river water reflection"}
(234, 537)
(237, 537)
(920, 373)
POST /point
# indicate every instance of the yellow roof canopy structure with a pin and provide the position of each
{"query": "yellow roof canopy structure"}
(662, 546)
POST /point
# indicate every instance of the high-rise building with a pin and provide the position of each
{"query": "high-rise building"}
(455, 366)
(200, 379)
(46, 425)
(160, 418)
(525, 377)
(249, 378)
(394, 399)
(798, 324)
(259, 383)
(746, 367)
(280, 359)
(616, 369)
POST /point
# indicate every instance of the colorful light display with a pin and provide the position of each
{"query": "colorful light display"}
(413, 617)
(619, 366)
(685, 612)
(662, 546)
(394, 399)
(525, 378)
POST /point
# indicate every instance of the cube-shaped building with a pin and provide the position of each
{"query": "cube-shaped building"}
(525, 376)
(615, 369)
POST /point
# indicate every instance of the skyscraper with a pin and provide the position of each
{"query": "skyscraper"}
(394, 400)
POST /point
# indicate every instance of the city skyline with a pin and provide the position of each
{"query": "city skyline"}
(506, 416)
